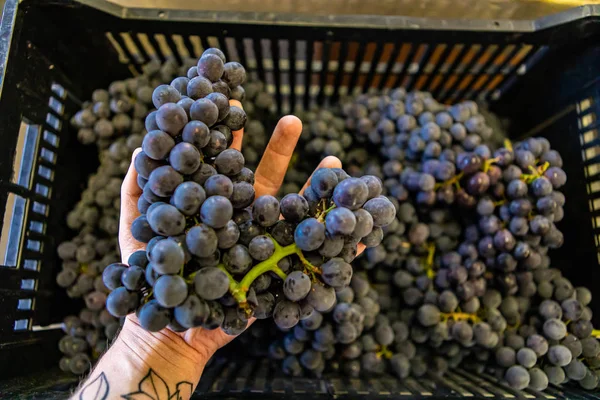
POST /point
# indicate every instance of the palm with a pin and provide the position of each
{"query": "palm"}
(268, 178)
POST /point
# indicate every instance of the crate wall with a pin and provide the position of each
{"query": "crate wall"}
(56, 53)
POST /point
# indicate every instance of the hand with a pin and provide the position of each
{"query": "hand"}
(199, 344)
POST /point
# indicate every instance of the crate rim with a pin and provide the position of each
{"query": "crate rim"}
(180, 14)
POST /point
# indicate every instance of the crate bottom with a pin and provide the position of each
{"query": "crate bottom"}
(254, 379)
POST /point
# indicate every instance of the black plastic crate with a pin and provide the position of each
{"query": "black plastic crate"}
(541, 74)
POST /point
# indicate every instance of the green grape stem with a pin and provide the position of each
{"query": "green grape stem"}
(455, 180)
(535, 172)
(323, 214)
(384, 352)
(83, 267)
(460, 316)
(488, 163)
(429, 261)
(239, 289)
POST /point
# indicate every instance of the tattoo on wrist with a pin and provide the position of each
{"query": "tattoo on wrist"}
(150, 387)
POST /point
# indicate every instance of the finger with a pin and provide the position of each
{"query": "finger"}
(130, 193)
(327, 162)
(360, 248)
(209, 341)
(274, 163)
(238, 136)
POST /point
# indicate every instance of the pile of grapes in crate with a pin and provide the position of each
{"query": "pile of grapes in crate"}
(430, 250)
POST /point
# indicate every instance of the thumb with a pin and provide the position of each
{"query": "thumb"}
(130, 193)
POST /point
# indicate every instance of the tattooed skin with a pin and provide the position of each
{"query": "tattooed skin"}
(150, 387)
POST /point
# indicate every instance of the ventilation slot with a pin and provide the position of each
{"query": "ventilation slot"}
(21, 325)
(321, 71)
(590, 154)
(12, 229)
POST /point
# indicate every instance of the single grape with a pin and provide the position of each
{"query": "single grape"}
(229, 162)
(211, 283)
(165, 94)
(133, 278)
(111, 276)
(192, 312)
(199, 87)
(261, 247)
(559, 355)
(234, 74)
(201, 240)
(381, 209)
(364, 223)
(340, 221)
(265, 210)
(210, 66)
(196, 133)
(265, 305)
(286, 314)
(167, 257)
(184, 158)
(236, 119)
(237, 259)
(218, 185)
(336, 273)
(309, 234)
(590, 347)
(321, 297)
(205, 111)
(242, 195)
(171, 118)
(215, 318)
(228, 235)
(538, 344)
(121, 302)
(506, 357)
(517, 377)
(576, 370)
(170, 290)
(293, 207)
(332, 246)
(554, 329)
(351, 193)
(157, 144)
(526, 357)
(216, 211)
(323, 181)
(538, 379)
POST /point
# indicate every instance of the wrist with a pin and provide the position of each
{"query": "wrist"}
(163, 351)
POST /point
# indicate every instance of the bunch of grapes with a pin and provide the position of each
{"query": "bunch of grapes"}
(469, 246)
(210, 260)
(358, 337)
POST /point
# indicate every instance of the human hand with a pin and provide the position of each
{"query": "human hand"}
(199, 344)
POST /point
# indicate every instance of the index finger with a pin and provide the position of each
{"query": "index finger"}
(276, 158)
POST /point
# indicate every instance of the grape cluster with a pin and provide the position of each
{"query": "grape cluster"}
(469, 247)
(211, 259)
(361, 335)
